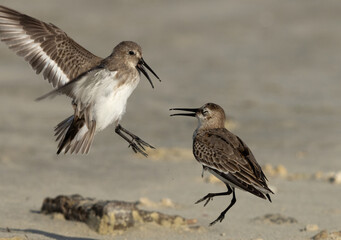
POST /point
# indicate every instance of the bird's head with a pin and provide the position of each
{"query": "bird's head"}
(131, 53)
(209, 115)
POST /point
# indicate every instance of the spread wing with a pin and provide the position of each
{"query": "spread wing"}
(230, 158)
(46, 47)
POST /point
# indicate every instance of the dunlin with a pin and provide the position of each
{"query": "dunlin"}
(99, 88)
(224, 155)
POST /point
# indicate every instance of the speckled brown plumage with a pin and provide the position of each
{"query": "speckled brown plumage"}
(223, 151)
(99, 88)
(224, 155)
(45, 47)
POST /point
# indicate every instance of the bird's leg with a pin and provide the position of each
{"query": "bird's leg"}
(222, 214)
(74, 105)
(75, 108)
(133, 145)
(135, 138)
(136, 143)
(210, 196)
(203, 170)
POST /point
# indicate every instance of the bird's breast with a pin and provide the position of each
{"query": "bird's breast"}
(110, 105)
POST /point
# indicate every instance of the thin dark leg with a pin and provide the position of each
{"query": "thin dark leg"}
(222, 214)
(136, 138)
(138, 145)
(210, 196)
(204, 168)
(74, 105)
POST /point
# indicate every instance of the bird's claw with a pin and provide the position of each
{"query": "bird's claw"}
(203, 199)
(220, 219)
(142, 143)
(137, 149)
(138, 146)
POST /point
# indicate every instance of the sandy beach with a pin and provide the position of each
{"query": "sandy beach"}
(273, 66)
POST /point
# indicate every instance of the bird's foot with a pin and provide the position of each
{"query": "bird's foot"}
(208, 197)
(219, 219)
(138, 145)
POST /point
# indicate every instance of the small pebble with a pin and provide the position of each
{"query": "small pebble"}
(166, 202)
(311, 228)
(336, 178)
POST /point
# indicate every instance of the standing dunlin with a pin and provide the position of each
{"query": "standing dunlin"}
(99, 88)
(224, 155)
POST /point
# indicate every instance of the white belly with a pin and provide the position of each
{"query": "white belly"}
(110, 105)
(106, 95)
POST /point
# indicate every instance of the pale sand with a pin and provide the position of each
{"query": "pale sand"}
(273, 66)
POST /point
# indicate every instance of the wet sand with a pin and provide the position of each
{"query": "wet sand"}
(273, 66)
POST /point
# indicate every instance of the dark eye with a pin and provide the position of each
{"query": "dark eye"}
(131, 53)
(205, 112)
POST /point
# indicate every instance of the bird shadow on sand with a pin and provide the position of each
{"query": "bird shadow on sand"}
(43, 233)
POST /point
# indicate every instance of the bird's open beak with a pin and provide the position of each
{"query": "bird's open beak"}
(140, 66)
(192, 110)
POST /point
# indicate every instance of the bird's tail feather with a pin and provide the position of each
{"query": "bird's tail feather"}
(230, 179)
(75, 135)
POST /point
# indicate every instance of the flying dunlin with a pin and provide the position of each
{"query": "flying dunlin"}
(224, 155)
(99, 88)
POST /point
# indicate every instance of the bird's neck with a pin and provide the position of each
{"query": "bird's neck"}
(203, 127)
(211, 124)
(113, 63)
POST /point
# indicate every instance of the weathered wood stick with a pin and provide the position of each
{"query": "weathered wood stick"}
(107, 217)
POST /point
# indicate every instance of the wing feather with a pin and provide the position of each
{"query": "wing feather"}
(221, 150)
(45, 47)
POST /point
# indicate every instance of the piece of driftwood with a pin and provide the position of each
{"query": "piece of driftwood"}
(107, 217)
(325, 235)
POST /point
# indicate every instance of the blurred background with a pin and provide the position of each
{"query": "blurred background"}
(274, 66)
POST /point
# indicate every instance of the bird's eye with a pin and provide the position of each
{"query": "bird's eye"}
(205, 112)
(131, 53)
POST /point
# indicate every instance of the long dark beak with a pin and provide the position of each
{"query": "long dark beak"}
(140, 66)
(193, 110)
